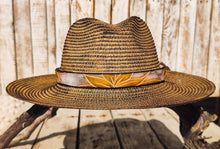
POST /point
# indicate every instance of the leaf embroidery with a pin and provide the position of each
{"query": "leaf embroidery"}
(116, 81)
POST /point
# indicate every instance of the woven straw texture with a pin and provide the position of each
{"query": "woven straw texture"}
(93, 46)
(178, 88)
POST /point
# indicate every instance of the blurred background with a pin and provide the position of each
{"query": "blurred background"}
(32, 34)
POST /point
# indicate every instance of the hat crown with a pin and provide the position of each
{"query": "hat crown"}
(93, 46)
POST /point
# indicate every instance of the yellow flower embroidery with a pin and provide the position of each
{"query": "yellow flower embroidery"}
(116, 81)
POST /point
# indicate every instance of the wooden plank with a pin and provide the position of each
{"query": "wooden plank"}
(9, 106)
(133, 131)
(165, 126)
(23, 38)
(0, 84)
(103, 10)
(128, 113)
(97, 130)
(186, 36)
(39, 36)
(81, 9)
(202, 34)
(138, 8)
(214, 52)
(170, 33)
(155, 22)
(119, 14)
(62, 24)
(89, 117)
(50, 6)
(59, 131)
(7, 49)
(22, 48)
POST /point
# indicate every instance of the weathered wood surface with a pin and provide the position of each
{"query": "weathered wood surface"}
(138, 8)
(8, 67)
(170, 33)
(170, 122)
(81, 9)
(22, 35)
(133, 130)
(97, 130)
(154, 15)
(62, 24)
(102, 10)
(117, 6)
(55, 130)
(51, 42)
(186, 36)
(201, 43)
(32, 33)
(136, 128)
(39, 36)
(214, 52)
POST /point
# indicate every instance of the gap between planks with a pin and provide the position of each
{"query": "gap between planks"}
(131, 128)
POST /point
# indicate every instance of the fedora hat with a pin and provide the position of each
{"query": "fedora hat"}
(111, 67)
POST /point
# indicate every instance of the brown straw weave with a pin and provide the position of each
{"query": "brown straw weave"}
(93, 46)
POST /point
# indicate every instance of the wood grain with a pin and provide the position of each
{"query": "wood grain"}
(62, 24)
(81, 9)
(39, 36)
(133, 130)
(23, 45)
(214, 52)
(97, 130)
(186, 36)
(103, 10)
(165, 126)
(170, 33)
(138, 8)
(155, 22)
(7, 48)
(202, 34)
(9, 106)
(119, 14)
(51, 42)
(56, 130)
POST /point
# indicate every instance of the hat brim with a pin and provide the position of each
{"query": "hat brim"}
(178, 88)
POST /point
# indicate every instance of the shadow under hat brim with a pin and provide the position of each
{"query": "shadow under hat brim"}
(178, 88)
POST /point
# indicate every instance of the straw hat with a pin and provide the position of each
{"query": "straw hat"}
(111, 67)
